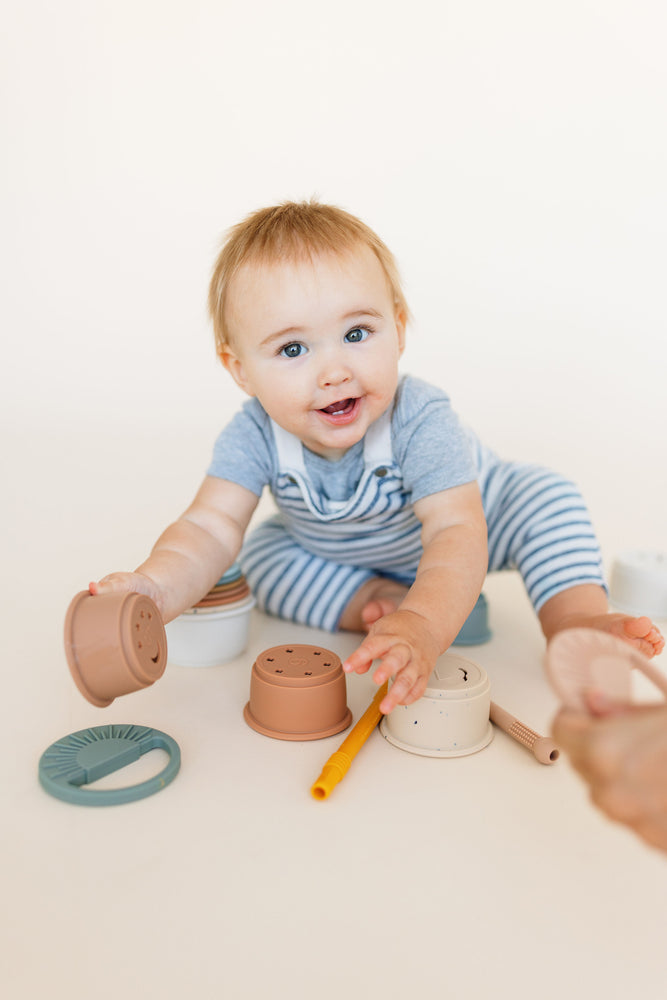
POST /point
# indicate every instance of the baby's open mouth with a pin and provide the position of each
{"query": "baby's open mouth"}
(339, 408)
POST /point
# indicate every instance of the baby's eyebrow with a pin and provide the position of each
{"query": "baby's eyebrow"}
(365, 311)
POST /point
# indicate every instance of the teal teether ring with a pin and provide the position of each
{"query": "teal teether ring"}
(80, 758)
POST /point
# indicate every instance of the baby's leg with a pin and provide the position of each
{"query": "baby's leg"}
(539, 524)
(292, 583)
(586, 607)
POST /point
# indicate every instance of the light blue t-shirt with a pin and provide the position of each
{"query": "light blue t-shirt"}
(429, 445)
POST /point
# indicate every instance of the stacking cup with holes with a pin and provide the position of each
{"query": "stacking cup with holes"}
(115, 644)
(297, 692)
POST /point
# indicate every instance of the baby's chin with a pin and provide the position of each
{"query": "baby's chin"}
(334, 442)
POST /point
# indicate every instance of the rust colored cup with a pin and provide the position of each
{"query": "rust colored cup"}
(115, 644)
(297, 692)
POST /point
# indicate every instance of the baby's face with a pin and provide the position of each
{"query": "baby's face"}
(318, 343)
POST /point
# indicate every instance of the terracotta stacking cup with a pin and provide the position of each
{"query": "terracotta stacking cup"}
(115, 644)
(297, 692)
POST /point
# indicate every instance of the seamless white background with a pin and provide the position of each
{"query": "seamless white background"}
(512, 155)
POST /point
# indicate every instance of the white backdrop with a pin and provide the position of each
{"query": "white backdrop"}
(513, 155)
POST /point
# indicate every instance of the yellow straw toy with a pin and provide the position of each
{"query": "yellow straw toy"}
(339, 763)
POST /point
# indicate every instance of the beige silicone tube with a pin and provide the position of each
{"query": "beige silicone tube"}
(339, 763)
(542, 748)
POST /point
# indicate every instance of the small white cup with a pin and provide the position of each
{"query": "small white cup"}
(207, 638)
(451, 719)
(639, 583)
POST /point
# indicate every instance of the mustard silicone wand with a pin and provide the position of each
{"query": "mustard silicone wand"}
(339, 763)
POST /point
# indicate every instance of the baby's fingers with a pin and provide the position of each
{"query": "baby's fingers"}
(394, 660)
(116, 583)
(358, 662)
(371, 649)
(408, 687)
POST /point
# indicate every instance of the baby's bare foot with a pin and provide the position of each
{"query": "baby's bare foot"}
(375, 598)
(645, 633)
(386, 599)
(638, 632)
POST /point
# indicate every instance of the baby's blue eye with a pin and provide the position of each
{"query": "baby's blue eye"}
(292, 350)
(357, 335)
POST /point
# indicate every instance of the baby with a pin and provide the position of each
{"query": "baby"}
(385, 501)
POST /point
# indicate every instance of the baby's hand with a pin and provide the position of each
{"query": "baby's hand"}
(135, 583)
(407, 649)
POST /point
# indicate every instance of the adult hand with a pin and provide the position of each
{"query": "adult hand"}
(621, 753)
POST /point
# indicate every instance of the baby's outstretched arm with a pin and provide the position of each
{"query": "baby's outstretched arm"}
(451, 572)
(192, 554)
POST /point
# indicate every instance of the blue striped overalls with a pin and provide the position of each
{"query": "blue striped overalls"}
(305, 563)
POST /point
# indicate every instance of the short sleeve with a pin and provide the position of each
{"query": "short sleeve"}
(431, 446)
(243, 452)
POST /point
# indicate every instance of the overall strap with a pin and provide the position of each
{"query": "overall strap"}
(377, 447)
(377, 443)
(290, 451)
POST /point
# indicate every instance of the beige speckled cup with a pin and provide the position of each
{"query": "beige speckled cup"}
(451, 719)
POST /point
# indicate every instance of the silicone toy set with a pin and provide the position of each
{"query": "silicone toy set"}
(116, 644)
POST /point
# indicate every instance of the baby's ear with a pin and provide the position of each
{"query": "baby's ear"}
(234, 366)
(401, 320)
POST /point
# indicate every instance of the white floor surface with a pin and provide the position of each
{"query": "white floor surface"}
(418, 878)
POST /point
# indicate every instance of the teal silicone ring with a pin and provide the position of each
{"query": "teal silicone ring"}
(74, 761)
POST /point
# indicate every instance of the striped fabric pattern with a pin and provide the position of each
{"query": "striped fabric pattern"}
(292, 583)
(380, 531)
(306, 563)
(539, 525)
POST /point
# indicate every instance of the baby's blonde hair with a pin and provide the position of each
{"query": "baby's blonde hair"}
(292, 231)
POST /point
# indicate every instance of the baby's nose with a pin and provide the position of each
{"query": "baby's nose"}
(334, 372)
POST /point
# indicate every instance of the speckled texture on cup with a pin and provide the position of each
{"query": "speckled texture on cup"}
(451, 719)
